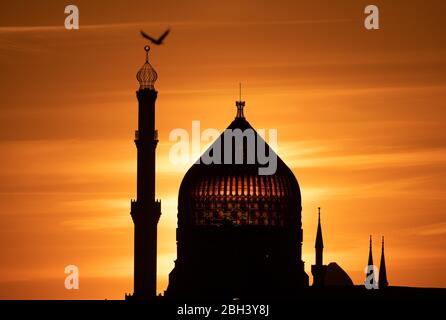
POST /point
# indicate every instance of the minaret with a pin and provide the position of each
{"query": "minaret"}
(382, 282)
(145, 210)
(318, 270)
(370, 263)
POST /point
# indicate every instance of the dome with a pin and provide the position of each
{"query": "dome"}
(336, 276)
(147, 75)
(239, 230)
(235, 194)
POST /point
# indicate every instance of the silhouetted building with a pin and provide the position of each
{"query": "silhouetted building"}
(382, 280)
(239, 233)
(318, 270)
(145, 210)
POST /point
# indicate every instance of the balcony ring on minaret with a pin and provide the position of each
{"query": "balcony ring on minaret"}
(147, 74)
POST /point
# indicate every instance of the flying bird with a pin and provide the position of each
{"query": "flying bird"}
(156, 41)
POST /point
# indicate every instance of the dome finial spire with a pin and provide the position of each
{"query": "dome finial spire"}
(147, 75)
(240, 104)
(147, 49)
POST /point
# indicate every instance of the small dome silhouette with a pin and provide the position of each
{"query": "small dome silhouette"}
(336, 276)
(147, 74)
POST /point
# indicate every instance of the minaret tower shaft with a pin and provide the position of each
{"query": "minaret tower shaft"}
(145, 210)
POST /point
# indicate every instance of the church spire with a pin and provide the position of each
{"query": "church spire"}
(382, 282)
(370, 267)
(240, 105)
(319, 245)
(370, 263)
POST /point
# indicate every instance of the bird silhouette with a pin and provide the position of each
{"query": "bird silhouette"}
(156, 41)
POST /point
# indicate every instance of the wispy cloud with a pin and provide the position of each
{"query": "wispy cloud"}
(436, 229)
(314, 158)
(185, 23)
(100, 213)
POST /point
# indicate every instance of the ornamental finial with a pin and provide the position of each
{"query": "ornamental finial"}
(240, 104)
(147, 74)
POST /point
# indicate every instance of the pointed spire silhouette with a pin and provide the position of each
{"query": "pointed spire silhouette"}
(318, 270)
(382, 282)
(370, 263)
(319, 245)
(372, 281)
(319, 240)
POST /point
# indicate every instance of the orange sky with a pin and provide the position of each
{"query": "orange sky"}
(360, 119)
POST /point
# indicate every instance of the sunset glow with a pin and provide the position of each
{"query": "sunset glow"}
(360, 119)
